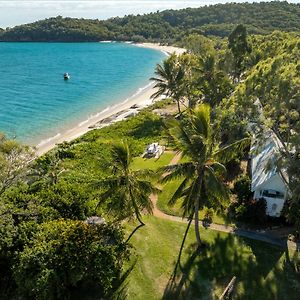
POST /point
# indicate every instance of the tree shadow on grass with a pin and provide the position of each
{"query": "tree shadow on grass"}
(262, 271)
(93, 292)
(150, 127)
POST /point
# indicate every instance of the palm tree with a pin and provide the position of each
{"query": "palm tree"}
(213, 83)
(170, 79)
(201, 184)
(127, 190)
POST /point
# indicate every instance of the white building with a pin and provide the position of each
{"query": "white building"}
(267, 181)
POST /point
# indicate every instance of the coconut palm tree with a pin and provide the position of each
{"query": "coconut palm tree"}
(213, 83)
(128, 190)
(202, 183)
(170, 79)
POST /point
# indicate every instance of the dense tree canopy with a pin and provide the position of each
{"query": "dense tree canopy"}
(166, 26)
(63, 256)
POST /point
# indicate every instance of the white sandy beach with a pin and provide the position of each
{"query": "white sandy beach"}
(116, 112)
(167, 49)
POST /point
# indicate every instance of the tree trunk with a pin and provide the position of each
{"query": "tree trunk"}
(199, 242)
(139, 218)
(197, 206)
(133, 232)
(178, 106)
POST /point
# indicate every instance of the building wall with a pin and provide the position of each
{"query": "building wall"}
(274, 205)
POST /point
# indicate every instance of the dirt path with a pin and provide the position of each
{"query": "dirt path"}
(256, 235)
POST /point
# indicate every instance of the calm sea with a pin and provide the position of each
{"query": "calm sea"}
(36, 103)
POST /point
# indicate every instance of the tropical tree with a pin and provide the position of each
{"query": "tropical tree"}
(128, 190)
(170, 79)
(240, 47)
(14, 162)
(213, 83)
(202, 183)
(65, 257)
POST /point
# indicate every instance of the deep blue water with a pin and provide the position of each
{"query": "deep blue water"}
(35, 101)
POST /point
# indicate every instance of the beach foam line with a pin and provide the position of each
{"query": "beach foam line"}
(139, 91)
(93, 116)
(46, 141)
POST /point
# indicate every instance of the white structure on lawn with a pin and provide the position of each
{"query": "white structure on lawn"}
(268, 181)
(154, 150)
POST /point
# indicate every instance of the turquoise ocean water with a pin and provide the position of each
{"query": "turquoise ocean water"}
(36, 103)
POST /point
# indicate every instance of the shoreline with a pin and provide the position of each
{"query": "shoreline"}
(109, 115)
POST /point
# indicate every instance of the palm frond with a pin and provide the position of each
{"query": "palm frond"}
(172, 172)
(121, 154)
(200, 119)
(227, 153)
(179, 192)
(217, 167)
(215, 187)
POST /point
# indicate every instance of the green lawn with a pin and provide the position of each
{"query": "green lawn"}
(152, 163)
(169, 188)
(261, 270)
(166, 194)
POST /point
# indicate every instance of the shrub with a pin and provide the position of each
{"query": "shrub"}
(208, 216)
(242, 188)
(252, 212)
(240, 211)
(64, 256)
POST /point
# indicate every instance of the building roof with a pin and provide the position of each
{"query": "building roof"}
(265, 152)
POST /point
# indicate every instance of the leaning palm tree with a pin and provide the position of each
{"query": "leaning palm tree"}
(170, 79)
(127, 190)
(202, 184)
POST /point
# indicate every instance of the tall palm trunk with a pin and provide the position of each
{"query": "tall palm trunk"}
(136, 209)
(197, 206)
(197, 223)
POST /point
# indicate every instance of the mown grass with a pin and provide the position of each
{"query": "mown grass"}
(152, 163)
(261, 269)
(168, 190)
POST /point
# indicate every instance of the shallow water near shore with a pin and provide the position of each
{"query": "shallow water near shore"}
(36, 103)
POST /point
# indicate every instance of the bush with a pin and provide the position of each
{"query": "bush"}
(65, 256)
(252, 211)
(208, 216)
(242, 188)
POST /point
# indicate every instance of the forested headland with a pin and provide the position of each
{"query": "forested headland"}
(168, 26)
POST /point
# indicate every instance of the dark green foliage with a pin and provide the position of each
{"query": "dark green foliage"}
(239, 46)
(167, 26)
(213, 83)
(63, 256)
(242, 188)
(252, 212)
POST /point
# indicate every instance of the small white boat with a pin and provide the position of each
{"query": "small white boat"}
(66, 76)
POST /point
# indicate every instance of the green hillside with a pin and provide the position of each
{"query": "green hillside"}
(166, 26)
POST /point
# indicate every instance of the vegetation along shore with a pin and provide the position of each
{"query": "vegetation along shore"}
(192, 195)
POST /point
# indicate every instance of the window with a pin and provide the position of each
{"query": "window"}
(272, 194)
(274, 207)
